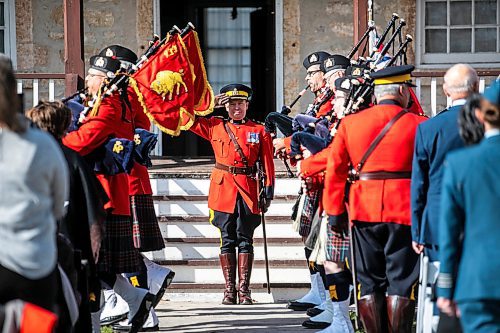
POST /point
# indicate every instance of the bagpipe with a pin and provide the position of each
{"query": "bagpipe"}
(362, 82)
(171, 86)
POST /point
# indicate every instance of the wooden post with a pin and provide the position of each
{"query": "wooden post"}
(360, 20)
(73, 46)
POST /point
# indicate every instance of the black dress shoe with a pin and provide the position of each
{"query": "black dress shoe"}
(298, 306)
(112, 319)
(315, 324)
(313, 312)
(126, 328)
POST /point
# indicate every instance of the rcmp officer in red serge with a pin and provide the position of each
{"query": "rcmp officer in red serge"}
(379, 201)
(238, 143)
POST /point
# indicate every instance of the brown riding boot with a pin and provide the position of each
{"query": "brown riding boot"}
(245, 261)
(400, 313)
(372, 311)
(228, 265)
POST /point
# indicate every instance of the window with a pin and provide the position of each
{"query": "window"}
(7, 28)
(452, 31)
(228, 46)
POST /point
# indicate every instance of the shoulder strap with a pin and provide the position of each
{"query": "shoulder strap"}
(379, 138)
(236, 144)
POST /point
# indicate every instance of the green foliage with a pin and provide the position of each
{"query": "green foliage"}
(106, 329)
(352, 315)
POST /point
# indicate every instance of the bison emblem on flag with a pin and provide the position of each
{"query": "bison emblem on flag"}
(167, 81)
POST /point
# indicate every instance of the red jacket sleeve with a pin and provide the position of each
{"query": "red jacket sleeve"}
(97, 129)
(336, 174)
(287, 141)
(267, 159)
(316, 163)
(203, 127)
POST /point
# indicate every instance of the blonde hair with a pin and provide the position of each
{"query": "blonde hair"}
(53, 117)
(9, 101)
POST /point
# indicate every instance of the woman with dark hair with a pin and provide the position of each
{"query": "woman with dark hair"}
(33, 191)
(83, 223)
(470, 129)
(469, 226)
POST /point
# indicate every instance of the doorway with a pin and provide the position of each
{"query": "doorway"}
(237, 39)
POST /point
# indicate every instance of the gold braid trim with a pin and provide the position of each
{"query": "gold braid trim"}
(95, 107)
(205, 80)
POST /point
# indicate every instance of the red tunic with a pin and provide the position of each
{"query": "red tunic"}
(316, 163)
(224, 186)
(138, 178)
(372, 200)
(95, 132)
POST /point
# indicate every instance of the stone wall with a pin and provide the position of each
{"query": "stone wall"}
(313, 25)
(40, 30)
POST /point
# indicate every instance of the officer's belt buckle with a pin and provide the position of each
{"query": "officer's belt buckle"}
(353, 176)
(232, 170)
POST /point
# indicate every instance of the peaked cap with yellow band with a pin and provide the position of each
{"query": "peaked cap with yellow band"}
(393, 75)
(237, 91)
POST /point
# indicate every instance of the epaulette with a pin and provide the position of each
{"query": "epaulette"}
(256, 121)
(220, 117)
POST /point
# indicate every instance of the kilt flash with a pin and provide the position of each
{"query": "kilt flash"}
(337, 249)
(118, 254)
(146, 232)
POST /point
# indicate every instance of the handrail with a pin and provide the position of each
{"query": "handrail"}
(40, 76)
(480, 72)
(35, 78)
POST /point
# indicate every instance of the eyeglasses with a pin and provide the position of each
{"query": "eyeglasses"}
(310, 74)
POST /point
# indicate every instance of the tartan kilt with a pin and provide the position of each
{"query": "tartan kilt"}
(148, 231)
(117, 254)
(311, 203)
(337, 249)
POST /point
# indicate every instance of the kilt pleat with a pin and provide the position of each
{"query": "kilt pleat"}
(311, 204)
(150, 237)
(118, 254)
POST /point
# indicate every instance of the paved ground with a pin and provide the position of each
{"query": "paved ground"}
(212, 317)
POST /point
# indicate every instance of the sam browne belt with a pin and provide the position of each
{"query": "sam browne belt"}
(249, 171)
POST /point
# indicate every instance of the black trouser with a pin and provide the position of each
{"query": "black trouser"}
(385, 260)
(279, 120)
(236, 229)
(41, 292)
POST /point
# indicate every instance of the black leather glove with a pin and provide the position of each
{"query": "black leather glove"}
(339, 225)
(266, 205)
(285, 110)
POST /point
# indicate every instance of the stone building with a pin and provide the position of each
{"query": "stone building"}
(258, 42)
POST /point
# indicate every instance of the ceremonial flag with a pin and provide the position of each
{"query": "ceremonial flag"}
(164, 86)
(203, 93)
(415, 106)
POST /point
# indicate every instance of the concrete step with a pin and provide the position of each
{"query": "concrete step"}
(182, 229)
(212, 292)
(200, 208)
(199, 187)
(208, 271)
(211, 250)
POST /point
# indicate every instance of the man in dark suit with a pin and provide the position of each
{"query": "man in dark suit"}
(434, 139)
(469, 228)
